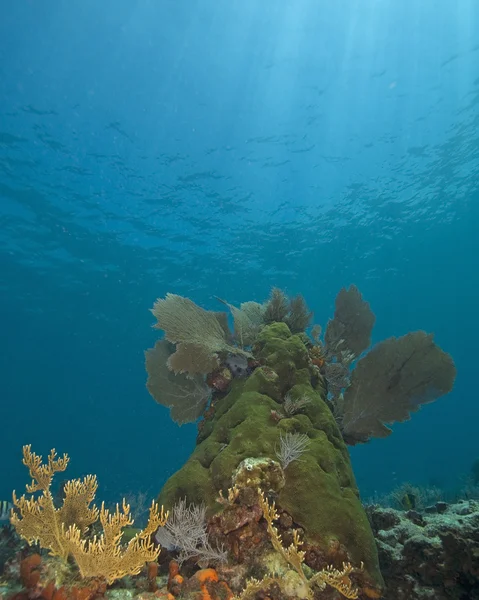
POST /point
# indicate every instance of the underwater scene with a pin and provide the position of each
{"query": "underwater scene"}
(239, 296)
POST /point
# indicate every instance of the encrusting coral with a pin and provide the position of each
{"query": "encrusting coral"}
(62, 530)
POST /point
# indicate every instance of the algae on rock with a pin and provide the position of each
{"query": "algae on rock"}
(318, 490)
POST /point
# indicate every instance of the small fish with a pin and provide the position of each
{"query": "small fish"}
(5, 508)
(408, 501)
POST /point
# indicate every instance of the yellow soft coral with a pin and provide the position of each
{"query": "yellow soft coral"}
(294, 556)
(61, 530)
(104, 556)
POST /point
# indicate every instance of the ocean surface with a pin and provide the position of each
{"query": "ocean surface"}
(219, 148)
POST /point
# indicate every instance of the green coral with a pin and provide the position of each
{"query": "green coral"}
(320, 491)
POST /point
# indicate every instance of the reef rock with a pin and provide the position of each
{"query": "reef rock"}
(237, 447)
(434, 556)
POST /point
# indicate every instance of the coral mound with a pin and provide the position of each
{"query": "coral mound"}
(240, 446)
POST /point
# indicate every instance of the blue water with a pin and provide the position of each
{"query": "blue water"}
(219, 148)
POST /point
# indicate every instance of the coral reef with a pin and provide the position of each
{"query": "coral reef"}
(429, 554)
(280, 423)
(267, 504)
(238, 446)
(388, 383)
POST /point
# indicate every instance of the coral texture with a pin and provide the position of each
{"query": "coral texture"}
(430, 554)
(318, 490)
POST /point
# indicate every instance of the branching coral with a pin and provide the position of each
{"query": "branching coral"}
(104, 556)
(39, 520)
(61, 530)
(294, 556)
